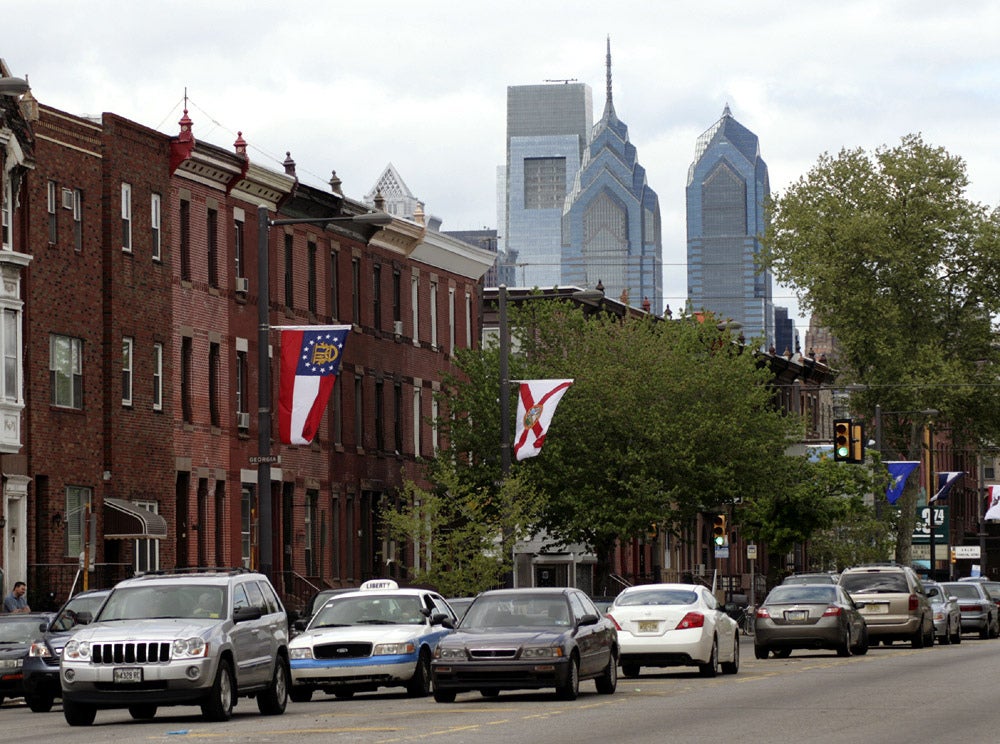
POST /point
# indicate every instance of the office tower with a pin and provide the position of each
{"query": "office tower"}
(548, 128)
(784, 331)
(611, 220)
(726, 189)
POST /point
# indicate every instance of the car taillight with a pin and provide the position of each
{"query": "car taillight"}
(691, 620)
(609, 617)
(831, 611)
(969, 608)
(762, 612)
(914, 603)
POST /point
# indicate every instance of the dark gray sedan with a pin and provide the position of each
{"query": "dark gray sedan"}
(518, 639)
(809, 616)
(979, 612)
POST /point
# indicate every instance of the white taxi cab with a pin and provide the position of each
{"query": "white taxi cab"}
(378, 636)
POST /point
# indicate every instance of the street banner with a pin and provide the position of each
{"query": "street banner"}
(536, 404)
(310, 360)
(945, 482)
(993, 505)
(899, 471)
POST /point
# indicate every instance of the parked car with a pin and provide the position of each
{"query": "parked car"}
(17, 632)
(812, 578)
(317, 600)
(41, 667)
(947, 614)
(378, 636)
(186, 637)
(796, 616)
(979, 611)
(459, 605)
(665, 625)
(992, 587)
(893, 601)
(513, 639)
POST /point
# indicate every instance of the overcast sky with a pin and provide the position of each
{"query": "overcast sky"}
(353, 86)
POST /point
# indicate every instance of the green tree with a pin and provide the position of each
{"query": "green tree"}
(887, 251)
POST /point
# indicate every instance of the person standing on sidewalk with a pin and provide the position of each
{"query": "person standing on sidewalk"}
(15, 601)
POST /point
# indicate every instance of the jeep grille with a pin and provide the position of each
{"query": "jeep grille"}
(130, 653)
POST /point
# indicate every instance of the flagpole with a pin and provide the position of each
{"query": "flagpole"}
(505, 423)
(929, 431)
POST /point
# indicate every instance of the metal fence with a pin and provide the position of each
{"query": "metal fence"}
(51, 584)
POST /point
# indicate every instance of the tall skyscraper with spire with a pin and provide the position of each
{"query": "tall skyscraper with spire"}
(727, 187)
(611, 217)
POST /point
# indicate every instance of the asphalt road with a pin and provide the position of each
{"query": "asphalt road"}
(894, 694)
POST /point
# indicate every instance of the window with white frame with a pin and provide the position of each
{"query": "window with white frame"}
(415, 308)
(434, 315)
(11, 330)
(451, 320)
(147, 552)
(128, 347)
(77, 219)
(78, 503)
(6, 218)
(434, 424)
(416, 422)
(155, 213)
(157, 377)
(66, 371)
(239, 246)
(468, 320)
(242, 367)
(52, 202)
(127, 217)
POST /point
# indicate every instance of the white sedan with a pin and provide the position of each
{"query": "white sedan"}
(663, 625)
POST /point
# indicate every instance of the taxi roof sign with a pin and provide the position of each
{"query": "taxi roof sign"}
(375, 584)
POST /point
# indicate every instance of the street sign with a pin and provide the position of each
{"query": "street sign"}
(721, 551)
(963, 552)
(922, 532)
(751, 552)
(259, 459)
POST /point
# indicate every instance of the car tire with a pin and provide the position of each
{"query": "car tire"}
(630, 670)
(571, 689)
(489, 692)
(79, 714)
(929, 636)
(957, 638)
(444, 696)
(345, 694)
(274, 700)
(607, 682)
(420, 684)
(219, 704)
(732, 667)
(40, 703)
(919, 637)
(782, 653)
(995, 628)
(711, 667)
(142, 712)
(301, 694)
(985, 631)
(844, 648)
(761, 652)
(945, 640)
(862, 648)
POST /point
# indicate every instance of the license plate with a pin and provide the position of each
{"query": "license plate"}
(127, 675)
(648, 626)
(797, 615)
(876, 609)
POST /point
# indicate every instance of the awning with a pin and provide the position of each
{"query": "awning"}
(126, 521)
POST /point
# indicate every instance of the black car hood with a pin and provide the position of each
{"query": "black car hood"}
(506, 636)
(14, 650)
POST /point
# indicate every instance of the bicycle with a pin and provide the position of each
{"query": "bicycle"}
(746, 620)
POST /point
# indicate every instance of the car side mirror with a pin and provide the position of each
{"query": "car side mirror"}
(242, 614)
(588, 619)
(442, 620)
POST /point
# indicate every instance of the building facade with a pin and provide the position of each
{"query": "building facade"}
(727, 187)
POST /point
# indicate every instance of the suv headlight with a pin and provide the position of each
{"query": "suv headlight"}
(303, 652)
(77, 650)
(189, 648)
(393, 649)
(542, 652)
(39, 650)
(451, 653)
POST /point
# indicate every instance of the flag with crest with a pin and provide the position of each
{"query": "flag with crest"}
(536, 404)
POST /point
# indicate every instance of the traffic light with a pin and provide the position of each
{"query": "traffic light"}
(857, 443)
(719, 529)
(842, 440)
(654, 531)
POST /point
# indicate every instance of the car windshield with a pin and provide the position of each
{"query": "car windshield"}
(517, 611)
(810, 579)
(19, 631)
(801, 594)
(67, 618)
(657, 597)
(963, 591)
(993, 589)
(875, 583)
(147, 602)
(382, 609)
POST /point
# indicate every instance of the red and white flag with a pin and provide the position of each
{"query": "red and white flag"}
(310, 360)
(536, 404)
(993, 507)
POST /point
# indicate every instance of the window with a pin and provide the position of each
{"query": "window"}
(77, 219)
(338, 412)
(185, 240)
(240, 247)
(147, 552)
(359, 412)
(309, 526)
(78, 503)
(242, 402)
(416, 422)
(434, 424)
(434, 315)
(356, 290)
(414, 307)
(289, 298)
(53, 205)
(127, 217)
(396, 309)
(6, 216)
(468, 320)
(397, 417)
(379, 416)
(187, 394)
(246, 521)
(377, 297)
(212, 226)
(127, 348)
(11, 330)
(154, 222)
(311, 288)
(451, 320)
(157, 377)
(66, 371)
(544, 183)
(214, 380)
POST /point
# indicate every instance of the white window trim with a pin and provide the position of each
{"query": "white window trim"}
(156, 228)
(434, 315)
(127, 217)
(415, 308)
(128, 364)
(157, 376)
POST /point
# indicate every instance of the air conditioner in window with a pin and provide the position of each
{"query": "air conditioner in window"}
(243, 420)
(397, 327)
(699, 569)
(242, 284)
(67, 198)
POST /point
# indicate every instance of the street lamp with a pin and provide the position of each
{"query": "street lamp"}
(12, 86)
(264, 224)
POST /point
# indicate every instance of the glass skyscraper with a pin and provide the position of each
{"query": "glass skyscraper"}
(727, 186)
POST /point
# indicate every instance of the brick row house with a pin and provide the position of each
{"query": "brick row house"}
(140, 359)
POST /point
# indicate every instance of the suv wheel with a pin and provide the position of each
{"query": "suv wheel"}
(79, 714)
(301, 694)
(274, 699)
(219, 706)
(919, 637)
(40, 703)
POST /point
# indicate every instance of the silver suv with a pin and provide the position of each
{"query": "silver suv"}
(893, 601)
(197, 637)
